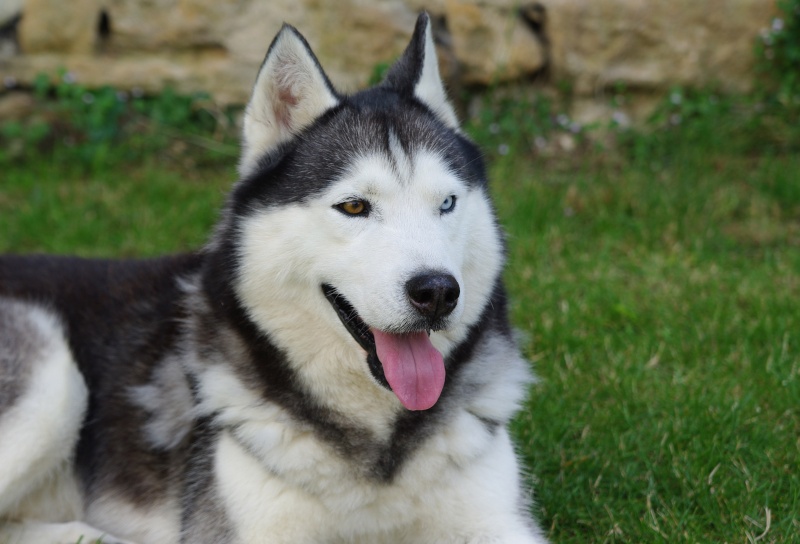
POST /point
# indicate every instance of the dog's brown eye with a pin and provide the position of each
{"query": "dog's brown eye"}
(354, 207)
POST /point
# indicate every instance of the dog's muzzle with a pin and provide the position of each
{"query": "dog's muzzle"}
(405, 361)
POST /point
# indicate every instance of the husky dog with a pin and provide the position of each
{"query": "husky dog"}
(335, 366)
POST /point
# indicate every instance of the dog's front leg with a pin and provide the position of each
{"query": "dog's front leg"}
(483, 503)
(236, 500)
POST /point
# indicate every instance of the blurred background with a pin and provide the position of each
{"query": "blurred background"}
(644, 157)
(585, 49)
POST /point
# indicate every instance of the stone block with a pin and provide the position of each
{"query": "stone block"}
(58, 25)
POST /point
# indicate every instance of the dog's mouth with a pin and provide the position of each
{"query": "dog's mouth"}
(406, 363)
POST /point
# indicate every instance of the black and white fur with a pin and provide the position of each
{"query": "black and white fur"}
(229, 395)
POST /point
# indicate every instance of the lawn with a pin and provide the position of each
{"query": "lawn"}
(661, 311)
(656, 284)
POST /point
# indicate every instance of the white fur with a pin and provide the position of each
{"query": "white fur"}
(45, 420)
(37, 481)
(70, 532)
(502, 377)
(464, 488)
(169, 403)
(158, 523)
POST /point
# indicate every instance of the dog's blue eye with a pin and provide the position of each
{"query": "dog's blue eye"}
(448, 204)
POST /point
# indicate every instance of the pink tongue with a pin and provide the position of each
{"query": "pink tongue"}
(413, 367)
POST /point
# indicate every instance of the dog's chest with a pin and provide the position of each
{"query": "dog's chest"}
(295, 485)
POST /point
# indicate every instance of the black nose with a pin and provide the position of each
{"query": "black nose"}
(433, 295)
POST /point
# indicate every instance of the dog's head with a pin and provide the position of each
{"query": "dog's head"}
(367, 213)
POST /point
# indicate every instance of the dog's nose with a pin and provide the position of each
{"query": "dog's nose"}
(433, 295)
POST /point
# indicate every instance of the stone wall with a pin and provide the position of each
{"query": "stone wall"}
(590, 46)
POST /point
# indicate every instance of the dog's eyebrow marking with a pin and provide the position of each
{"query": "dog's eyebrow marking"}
(401, 161)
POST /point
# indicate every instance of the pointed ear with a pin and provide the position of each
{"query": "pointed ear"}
(417, 72)
(290, 93)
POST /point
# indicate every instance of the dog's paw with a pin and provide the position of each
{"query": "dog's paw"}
(77, 532)
(105, 539)
(73, 532)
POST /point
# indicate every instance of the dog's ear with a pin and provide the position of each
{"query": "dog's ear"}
(290, 93)
(417, 72)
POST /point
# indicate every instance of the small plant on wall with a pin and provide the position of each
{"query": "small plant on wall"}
(779, 51)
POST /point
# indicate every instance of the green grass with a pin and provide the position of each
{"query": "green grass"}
(657, 286)
(143, 209)
(659, 289)
(662, 313)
